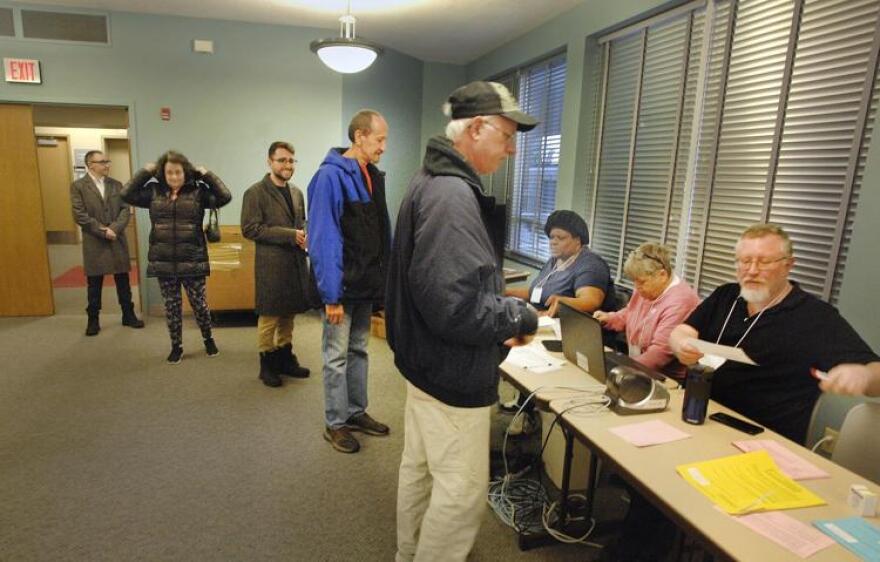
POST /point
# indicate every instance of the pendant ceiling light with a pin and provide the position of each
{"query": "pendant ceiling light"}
(346, 54)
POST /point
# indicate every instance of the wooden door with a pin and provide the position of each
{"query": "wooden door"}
(25, 284)
(116, 150)
(53, 157)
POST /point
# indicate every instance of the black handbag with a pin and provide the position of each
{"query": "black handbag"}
(212, 229)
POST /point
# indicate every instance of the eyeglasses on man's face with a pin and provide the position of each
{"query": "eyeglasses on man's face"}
(102, 162)
(510, 138)
(284, 161)
(761, 263)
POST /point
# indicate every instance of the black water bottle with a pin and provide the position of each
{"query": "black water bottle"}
(697, 390)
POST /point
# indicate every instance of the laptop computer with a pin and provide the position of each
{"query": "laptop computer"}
(582, 345)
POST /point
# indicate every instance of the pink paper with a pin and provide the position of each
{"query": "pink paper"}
(788, 532)
(649, 433)
(792, 465)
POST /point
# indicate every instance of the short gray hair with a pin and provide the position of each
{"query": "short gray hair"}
(648, 259)
(760, 230)
(457, 127)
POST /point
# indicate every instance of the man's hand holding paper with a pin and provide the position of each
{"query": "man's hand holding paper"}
(715, 355)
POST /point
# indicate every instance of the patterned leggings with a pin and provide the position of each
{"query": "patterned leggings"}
(195, 291)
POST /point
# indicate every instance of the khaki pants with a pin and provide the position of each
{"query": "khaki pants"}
(274, 332)
(443, 481)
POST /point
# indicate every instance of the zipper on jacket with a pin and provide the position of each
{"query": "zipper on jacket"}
(174, 234)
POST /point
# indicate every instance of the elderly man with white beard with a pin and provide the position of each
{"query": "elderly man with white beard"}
(794, 338)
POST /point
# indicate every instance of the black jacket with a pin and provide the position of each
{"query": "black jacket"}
(177, 241)
(445, 316)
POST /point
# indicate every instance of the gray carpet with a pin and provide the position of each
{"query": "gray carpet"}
(107, 453)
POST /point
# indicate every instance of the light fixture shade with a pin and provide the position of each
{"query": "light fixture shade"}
(346, 56)
(346, 53)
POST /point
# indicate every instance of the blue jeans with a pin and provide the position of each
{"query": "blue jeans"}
(345, 364)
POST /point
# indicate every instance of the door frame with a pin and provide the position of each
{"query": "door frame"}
(131, 170)
(35, 99)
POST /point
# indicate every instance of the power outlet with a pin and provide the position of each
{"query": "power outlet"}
(830, 437)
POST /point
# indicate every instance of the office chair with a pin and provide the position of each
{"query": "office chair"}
(857, 447)
(830, 411)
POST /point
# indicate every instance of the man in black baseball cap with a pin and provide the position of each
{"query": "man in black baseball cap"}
(448, 324)
(488, 98)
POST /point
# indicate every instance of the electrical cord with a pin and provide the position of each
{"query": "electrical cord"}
(820, 441)
(522, 503)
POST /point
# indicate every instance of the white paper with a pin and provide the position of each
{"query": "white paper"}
(714, 362)
(533, 359)
(547, 321)
(725, 352)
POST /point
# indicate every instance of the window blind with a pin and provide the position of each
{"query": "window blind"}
(532, 193)
(737, 112)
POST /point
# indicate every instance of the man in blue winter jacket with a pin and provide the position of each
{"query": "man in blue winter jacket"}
(450, 326)
(349, 239)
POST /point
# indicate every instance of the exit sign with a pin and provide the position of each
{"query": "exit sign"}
(22, 70)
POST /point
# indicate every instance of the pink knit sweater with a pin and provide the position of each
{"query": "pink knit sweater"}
(648, 324)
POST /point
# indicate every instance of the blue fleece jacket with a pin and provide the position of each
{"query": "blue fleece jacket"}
(342, 236)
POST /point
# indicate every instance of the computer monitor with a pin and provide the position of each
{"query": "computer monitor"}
(582, 345)
(582, 341)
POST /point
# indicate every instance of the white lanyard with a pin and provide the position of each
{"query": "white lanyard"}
(538, 290)
(758, 317)
(557, 268)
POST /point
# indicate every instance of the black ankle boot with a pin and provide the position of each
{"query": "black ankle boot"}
(211, 348)
(129, 318)
(175, 355)
(93, 326)
(288, 364)
(268, 372)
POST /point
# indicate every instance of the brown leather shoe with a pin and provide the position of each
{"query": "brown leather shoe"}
(366, 424)
(342, 440)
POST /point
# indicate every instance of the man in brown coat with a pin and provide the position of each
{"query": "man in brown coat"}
(273, 216)
(100, 212)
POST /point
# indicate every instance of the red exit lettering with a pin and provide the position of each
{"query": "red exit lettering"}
(22, 70)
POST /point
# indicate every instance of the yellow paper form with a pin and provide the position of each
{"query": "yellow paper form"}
(747, 483)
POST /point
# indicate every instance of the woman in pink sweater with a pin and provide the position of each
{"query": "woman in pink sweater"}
(661, 301)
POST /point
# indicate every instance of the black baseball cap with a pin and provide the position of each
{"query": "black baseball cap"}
(488, 98)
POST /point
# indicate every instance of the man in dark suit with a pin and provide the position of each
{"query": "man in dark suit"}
(273, 216)
(102, 215)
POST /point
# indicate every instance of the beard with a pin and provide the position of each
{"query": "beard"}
(281, 177)
(755, 296)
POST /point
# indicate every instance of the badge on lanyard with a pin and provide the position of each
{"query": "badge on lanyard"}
(536, 295)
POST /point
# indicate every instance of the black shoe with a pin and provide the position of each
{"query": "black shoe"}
(366, 424)
(211, 348)
(175, 355)
(129, 318)
(342, 440)
(268, 374)
(288, 364)
(93, 326)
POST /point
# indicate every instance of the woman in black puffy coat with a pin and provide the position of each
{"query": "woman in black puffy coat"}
(177, 194)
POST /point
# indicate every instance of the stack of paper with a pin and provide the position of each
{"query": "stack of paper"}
(649, 433)
(746, 483)
(533, 358)
(787, 532)
(792, 465)
(856, 534)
